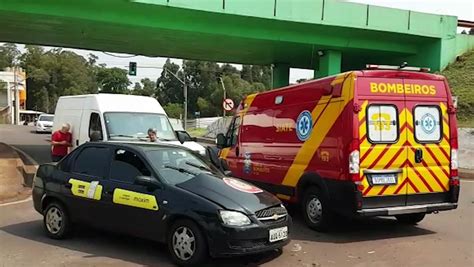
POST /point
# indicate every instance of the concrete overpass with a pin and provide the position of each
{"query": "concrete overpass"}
(325, 35)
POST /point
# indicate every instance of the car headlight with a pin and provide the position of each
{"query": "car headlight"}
(234, 218)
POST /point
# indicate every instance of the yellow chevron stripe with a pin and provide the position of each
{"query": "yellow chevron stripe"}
(323, 125)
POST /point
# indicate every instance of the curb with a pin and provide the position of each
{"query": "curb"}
(28, 170)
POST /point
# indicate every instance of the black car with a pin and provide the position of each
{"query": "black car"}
(161, 192)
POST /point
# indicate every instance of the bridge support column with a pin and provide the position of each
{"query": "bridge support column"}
(329, 63)
(280, 75)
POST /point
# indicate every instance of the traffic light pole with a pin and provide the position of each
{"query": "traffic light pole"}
(185, 88)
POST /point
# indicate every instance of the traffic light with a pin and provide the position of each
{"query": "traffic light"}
(132, 69)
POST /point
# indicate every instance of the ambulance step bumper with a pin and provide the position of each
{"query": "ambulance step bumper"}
(424, 208)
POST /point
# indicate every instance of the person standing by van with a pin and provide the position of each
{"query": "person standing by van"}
(152, 135)
(61, 140)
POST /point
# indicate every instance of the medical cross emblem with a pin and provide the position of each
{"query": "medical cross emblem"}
(304, 125)
(428, 123)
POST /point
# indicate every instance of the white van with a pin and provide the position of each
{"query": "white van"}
(113, 117)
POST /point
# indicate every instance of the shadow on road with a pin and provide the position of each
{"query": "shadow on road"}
(130, 249)
(40, 153)
(346, 230)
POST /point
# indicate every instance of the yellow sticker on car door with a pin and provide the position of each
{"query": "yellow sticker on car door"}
(135, 199)
(91, 190)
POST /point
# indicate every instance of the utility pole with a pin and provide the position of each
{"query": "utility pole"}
(185, 87)
(225, 93)
(17, 97)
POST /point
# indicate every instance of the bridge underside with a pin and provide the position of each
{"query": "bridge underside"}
(156, 30)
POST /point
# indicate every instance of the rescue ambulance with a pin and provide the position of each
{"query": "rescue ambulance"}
(375, 142)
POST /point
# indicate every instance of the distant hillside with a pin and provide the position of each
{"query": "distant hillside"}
(460, 75)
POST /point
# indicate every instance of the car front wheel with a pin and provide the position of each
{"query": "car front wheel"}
(56, 221)
(187, 244)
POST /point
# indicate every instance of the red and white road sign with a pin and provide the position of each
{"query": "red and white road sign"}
(228, 104)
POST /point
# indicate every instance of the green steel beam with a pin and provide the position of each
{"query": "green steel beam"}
(236, 31)
(280, 75)
(330, 63)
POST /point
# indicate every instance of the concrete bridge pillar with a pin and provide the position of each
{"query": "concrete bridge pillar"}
(281, 75)
(329, 63)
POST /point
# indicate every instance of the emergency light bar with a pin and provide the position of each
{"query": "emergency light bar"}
(389, 67)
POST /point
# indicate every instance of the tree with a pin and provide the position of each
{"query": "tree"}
(170, 90)
(471, 31)
(113, 80)
(9, 54)
(174, 110)
(464, 32)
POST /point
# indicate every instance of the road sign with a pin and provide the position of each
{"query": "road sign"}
(228, 104)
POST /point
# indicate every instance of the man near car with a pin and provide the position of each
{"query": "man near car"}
(61, 140)
(152, 135)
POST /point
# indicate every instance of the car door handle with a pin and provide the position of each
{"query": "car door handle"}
(418, 155)
(68, 185)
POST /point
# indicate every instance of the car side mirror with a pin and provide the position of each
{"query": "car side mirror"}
(147, 181)
(221, 141)
(184, 136)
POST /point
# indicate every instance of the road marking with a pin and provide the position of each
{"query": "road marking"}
(16, 202)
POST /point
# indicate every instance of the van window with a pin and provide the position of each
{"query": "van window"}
(233, 132)
(126, 166)
(427, 124)
(135, 125)
(382, 123)
(95, 127)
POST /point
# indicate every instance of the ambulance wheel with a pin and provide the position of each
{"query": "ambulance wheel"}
(56, 221)
(187, 244)
(412, 219)
(315, 210)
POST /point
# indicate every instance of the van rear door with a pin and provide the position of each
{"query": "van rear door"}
(428, 141)
(382, 133)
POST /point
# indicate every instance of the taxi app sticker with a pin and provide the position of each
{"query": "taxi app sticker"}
(92, 190)
(135, 199)
(242, 186)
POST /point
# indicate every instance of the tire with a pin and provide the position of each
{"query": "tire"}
(185, 252)
(412, 219)
(316, 213)
(56, 221)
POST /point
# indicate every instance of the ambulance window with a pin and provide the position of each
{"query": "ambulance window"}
(382, 123)
(427, 124)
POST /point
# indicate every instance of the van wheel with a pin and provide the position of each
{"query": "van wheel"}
(412, 219)
(315, 210)
(187, 244)
(56, 221)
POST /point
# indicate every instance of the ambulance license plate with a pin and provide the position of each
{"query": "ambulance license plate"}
(384, 179)
(278, 234)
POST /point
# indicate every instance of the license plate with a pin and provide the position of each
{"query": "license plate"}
(278, 234)
(384, 179)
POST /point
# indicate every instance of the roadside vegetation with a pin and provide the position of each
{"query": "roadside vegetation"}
(460, 75)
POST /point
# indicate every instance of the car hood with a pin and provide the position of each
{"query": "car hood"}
(190, 145)
(230, 193)
(46, 123)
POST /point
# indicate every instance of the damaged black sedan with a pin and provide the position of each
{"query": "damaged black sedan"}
(161, 192)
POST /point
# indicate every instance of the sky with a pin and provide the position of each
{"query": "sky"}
(463, 9)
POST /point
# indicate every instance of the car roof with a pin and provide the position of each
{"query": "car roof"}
(142, 146)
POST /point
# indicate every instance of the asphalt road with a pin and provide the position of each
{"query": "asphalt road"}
(444, 239)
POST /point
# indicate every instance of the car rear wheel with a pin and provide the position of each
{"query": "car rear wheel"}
(315, 210)
(186, 243)
(56, 221)
(411, 218)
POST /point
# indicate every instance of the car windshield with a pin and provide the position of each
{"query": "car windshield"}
(135, 125)
(176, 165)
(46, 118)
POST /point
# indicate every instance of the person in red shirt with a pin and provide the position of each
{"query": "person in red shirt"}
(60, 142)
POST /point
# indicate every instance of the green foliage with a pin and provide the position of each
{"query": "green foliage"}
(148, 88)
(9, 54)
(174, 110)
(460, 75)
(113, 80)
